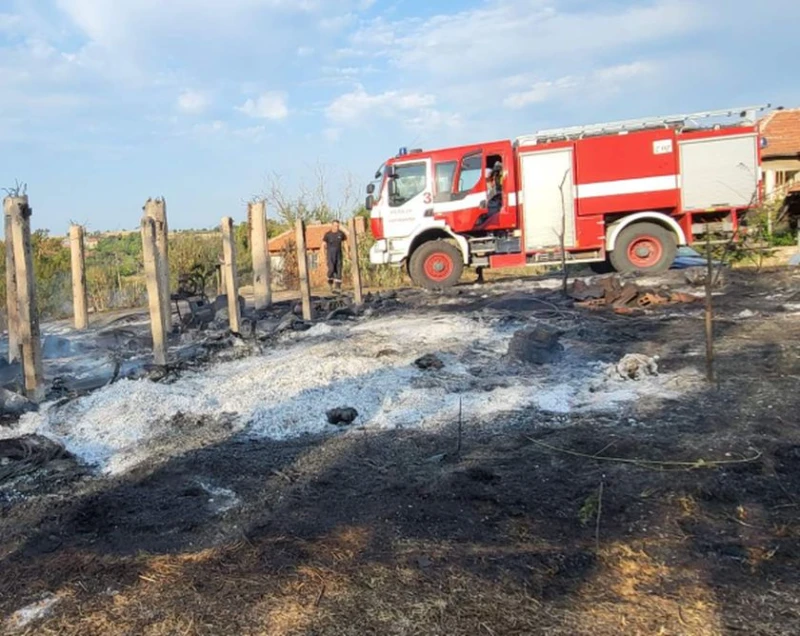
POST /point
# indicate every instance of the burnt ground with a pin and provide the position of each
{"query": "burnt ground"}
(543, 524)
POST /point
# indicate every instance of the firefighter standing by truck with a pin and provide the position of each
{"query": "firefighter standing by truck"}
(494, 197)
(334, 239)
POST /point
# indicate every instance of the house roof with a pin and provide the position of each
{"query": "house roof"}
(314, 234)
(781, 128)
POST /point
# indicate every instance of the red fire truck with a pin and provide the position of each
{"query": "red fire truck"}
(622, 195)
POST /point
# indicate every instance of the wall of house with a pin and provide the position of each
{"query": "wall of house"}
(317, 269)
(780, 176)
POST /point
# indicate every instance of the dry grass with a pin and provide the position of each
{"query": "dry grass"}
(422, 588)
(364, 534)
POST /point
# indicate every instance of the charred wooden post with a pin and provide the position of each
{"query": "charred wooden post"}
(229, 274)
(12, 304)
(156, 209)
(355, 266)
(80, 303)
(709, 310)
(29, 332)
(154, 290)
(262, 284)
(302, 269)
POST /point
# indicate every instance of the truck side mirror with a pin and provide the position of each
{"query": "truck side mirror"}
(371, 188)
(370, 202)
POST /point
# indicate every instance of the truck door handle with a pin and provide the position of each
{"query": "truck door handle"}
(483, 205)
(429, 212)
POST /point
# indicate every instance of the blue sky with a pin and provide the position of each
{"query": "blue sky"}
(107, 102)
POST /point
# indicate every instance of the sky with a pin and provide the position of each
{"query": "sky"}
(104, 103)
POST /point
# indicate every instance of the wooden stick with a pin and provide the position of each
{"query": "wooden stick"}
(709, 311)
(154, 290)
(262, 288)
(12, 302)
(649, 463)
(302, 269)
(355, 265)
(562, 237)
(79, 297)
(460, 428)
(230, 274)
(599, 514)
(29, 332)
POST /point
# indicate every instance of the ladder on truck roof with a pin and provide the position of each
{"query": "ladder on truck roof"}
(625, 125)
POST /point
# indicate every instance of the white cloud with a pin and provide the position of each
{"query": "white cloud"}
(351, 107)
(338, 22)
(193, 102)
(270, 105)
(600, 82)
(305, 51)
(413, 110)
(110, 23)
(219, 131)
(429, 120)
(466, 43)
(456, 61)
(540, 92)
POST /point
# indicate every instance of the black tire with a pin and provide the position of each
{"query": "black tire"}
(647, 248)
(601, 267)
(436, 265)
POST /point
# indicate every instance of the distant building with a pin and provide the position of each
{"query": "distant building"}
(90, 241)
(282, 250)
(781, 156)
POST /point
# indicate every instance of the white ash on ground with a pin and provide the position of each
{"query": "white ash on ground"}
(23, 617)
(635, 366)
(368, 365)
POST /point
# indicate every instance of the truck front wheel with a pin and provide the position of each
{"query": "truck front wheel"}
(436, 265)
(644, 247)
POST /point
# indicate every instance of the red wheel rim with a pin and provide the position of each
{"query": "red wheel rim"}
(645, 251)
(438, 266)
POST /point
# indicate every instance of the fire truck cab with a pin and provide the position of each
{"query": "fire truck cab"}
(623, 195)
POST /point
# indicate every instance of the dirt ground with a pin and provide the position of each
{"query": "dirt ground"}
(676, 518)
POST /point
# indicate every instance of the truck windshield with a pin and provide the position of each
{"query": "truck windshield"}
(410, 180)
(377, 180)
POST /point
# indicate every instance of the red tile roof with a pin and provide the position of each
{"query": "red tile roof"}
(314, 234)
(781, 129)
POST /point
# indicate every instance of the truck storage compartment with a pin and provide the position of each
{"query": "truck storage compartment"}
(719, 172)
(548, 198)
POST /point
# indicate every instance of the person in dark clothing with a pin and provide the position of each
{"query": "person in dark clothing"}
(334, 242)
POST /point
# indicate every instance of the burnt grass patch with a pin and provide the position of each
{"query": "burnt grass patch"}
(546, 526)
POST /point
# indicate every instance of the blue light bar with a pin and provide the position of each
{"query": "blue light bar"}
(403, 152)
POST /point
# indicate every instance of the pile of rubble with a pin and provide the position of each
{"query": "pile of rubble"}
(623, 297)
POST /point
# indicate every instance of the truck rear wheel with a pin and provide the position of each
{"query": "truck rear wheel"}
(644, 247)
(436, 265)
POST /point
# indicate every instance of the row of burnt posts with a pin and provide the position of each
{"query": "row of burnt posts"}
(24, 336)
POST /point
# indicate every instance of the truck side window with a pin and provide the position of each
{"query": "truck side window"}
(445, 175)
(410, 181)
(471, 173)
